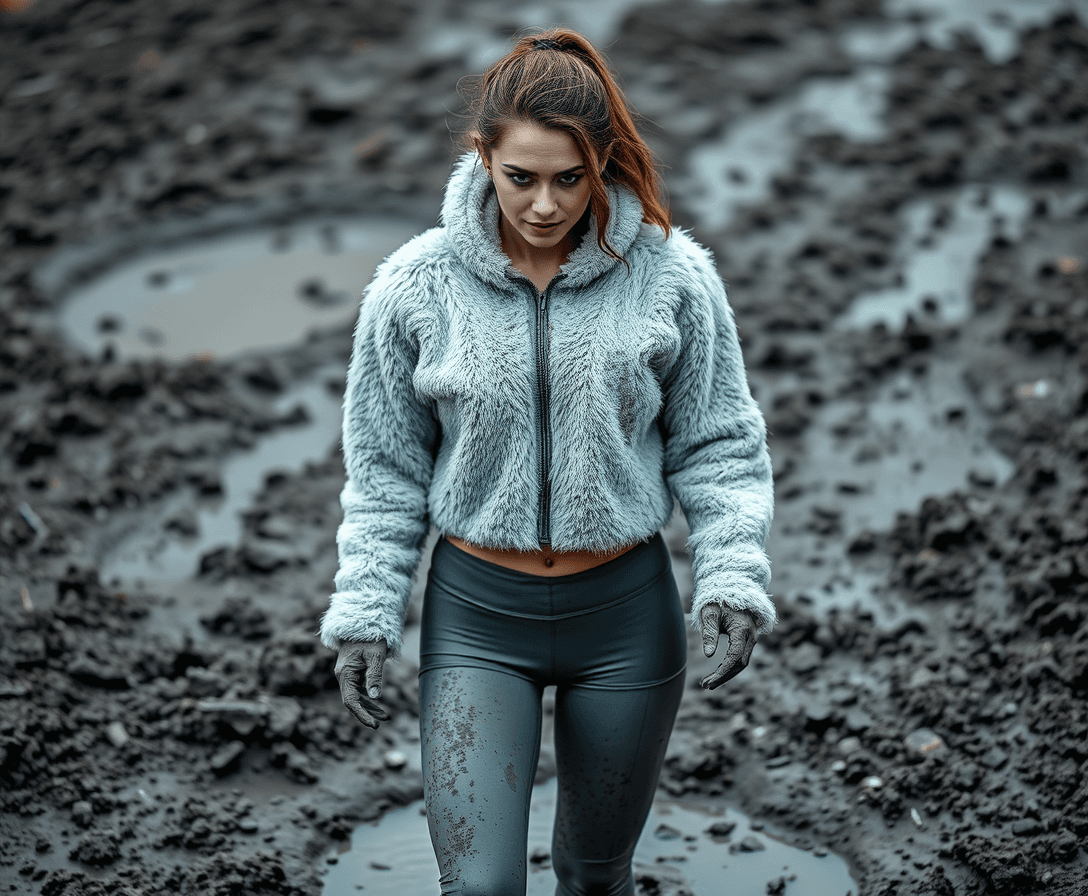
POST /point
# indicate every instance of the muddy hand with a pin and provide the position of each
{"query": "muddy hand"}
(359, 669)
(739, 627)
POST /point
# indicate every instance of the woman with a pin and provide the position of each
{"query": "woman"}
(538, 377)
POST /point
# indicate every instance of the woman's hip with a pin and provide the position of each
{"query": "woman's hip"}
(617, 625)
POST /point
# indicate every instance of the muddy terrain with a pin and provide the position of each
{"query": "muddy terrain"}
(898, 201)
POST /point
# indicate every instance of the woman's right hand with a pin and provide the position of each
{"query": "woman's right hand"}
(359, 667)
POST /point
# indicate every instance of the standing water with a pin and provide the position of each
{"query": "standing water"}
(226, 296)
(232, 294)
(394, 855)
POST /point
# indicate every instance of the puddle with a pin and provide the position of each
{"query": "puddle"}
(995, 24)
(738, 169)
(941, 260)
(226, 295)
(916, 438)
(904, 448)
(151, 555)
(400, 843)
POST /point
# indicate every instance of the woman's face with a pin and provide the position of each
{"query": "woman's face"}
(540, 181)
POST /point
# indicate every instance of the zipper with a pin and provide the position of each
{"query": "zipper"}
(544, 393)
(544, 523)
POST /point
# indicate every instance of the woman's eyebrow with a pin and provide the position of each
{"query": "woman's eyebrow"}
(526, 171)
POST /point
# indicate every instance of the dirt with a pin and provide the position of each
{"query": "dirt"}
(921, 707)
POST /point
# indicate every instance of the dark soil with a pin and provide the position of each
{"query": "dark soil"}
(934, 731)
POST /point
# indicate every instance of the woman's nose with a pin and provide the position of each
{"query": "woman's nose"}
(544, 202)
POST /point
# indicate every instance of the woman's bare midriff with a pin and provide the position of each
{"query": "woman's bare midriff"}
(544, 562)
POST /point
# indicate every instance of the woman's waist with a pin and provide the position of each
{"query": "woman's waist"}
(521, 593)
(542, 562)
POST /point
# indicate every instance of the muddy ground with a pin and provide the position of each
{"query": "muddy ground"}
(920, 709)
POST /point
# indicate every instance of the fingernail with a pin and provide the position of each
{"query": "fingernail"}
(375, 692)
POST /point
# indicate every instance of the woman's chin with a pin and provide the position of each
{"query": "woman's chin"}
(543, 238)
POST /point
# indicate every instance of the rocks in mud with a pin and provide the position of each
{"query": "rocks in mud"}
(227, 874)
(791, 412)
(225, 760)
(937, 547)
(660, 880)
(923, 742)
(98, 848)
(1007, 867)
(297, 664)
(721, 830)
(117, 734)
(82, 813)
(263, 557)
(395, 760)
(241, 617)
(706, 766)
(298, 764)
(240, 717)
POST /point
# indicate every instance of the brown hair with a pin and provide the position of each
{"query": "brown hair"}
(557, 79)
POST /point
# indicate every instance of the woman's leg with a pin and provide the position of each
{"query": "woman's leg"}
(609, 747)
(480, 733)
(620, 682)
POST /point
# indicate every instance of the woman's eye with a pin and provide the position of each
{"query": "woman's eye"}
(569, 180)
(520, 180)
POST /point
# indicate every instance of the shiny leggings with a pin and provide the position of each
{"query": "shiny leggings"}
(611, 639)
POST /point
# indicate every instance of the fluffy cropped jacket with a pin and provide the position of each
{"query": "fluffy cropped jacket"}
(512, 418)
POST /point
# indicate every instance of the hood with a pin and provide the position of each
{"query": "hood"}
(470, 214)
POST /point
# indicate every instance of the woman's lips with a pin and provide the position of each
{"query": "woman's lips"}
(543, 226)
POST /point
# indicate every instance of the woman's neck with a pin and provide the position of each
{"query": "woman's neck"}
(539, 265)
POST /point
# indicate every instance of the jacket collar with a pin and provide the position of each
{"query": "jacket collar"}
(470, 214)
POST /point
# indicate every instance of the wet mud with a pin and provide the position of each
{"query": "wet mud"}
(922, 708)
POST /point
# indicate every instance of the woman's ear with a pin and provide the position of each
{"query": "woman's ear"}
(483, 154)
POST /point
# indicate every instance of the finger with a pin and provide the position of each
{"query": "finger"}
(376, 710)
(731, 664)
(375, 665)
(356, 708)
(721, 675)
(366, 711)
(711, 616)
(349, 694)
(749, 646)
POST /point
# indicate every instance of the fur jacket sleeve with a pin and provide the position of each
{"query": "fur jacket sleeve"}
(389, 438)
(716, 459)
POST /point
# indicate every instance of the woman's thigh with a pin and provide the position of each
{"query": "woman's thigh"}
(480, 733)
(609, 747)
(614, 712)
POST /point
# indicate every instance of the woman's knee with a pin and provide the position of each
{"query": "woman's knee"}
(579, 877)
(486, 879)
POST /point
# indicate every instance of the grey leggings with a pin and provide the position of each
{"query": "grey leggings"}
(611, 639)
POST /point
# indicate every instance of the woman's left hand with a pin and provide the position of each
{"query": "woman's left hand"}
(740, 628)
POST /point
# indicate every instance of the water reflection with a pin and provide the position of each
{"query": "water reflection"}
(231, 294)
(394, 855)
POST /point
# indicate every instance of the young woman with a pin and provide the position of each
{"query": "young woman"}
(538, 377)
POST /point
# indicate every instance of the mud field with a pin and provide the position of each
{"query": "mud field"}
(897, 196)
